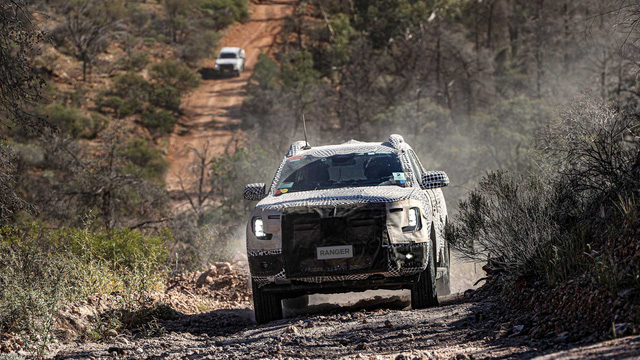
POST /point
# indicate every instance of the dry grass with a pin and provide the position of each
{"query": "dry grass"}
(43, 270)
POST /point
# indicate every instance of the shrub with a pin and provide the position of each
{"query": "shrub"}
(146, 160)
(174, 74)
(120, 108)
(166, 97)
(135, 62)
(138, 17)
(110, 102)
(128, 95)
(149, 41)
(42, 270)
(225, 12)
(131, 87)
(160, 122)
(574, 218)
(72, 121)
(200, 46)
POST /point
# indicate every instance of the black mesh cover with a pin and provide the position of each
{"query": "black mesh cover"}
(362, 226)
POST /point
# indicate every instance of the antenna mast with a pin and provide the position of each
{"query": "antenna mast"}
(304, 125)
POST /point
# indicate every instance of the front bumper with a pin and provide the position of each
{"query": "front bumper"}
(267, 268)
(225, 69)
(372, 282)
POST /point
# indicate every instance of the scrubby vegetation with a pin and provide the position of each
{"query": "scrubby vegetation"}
(577, 217)
(42, 270)
(85, 110)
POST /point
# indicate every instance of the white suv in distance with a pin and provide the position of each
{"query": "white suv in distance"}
(230, 61)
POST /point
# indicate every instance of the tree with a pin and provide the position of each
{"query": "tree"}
(115, 181)
(178, 12)
(224, 12)
(19, 84)
(19, 87)
(89, 24)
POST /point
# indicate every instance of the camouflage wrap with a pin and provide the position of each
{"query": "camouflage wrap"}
(268, 260)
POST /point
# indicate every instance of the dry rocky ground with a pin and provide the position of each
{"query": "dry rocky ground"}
(213, 319)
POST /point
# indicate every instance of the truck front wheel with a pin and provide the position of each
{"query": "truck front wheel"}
(266, 306)
(423, 293)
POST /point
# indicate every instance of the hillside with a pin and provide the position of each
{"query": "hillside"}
(212, 112)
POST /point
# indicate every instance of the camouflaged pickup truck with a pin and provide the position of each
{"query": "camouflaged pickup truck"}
(348, 217)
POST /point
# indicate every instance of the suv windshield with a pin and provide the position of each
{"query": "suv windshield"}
(227, 56)
(301, 173)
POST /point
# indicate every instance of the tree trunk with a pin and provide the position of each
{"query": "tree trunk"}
(438, 57)
(513, 29)
(106, 210)
(603, 74)
(539, 56)
(567, 35)
(490, 23)
(84, 67)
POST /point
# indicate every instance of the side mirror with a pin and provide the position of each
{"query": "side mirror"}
(255, 192)
(434, 180)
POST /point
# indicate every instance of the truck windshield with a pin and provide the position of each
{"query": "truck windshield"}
(302, 173)
(227, 56)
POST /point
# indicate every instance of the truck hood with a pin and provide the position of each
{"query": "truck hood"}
(227, 61)
(341, 196)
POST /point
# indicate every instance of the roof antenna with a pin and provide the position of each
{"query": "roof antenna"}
(304, 125)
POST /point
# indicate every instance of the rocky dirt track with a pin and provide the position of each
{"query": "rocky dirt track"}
(378, 327)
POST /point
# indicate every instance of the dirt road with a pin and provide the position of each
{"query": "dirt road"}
(369, 325)
(377, 328)
(212, 110)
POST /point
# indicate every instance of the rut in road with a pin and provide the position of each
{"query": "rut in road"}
(212, 112)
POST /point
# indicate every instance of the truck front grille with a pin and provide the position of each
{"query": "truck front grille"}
(361, 226)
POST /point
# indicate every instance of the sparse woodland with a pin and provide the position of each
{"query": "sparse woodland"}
(534, 104)
(90, 91)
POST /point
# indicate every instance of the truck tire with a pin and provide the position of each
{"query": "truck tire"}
(423, 293)
(266, 306)
(296, 303)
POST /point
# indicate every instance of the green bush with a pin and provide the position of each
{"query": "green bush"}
(131, 86)
(175, 74)
(135, 62)
(200, 46)
(225, 12)
(149, 41)
(128, 95)
(160, 122)
(146, 160)
(71, 121)
(166, 97)
(110, 102)
(42, 270)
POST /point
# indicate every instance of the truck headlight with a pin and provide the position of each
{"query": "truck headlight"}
(216, 66)
(414, 220)
(258, 229)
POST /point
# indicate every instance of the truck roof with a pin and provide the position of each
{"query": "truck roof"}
(396, 142)
(230, 49)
